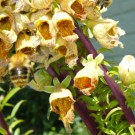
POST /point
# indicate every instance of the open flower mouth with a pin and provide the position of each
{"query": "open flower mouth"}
(83, 82)
(3, 52)
(61, 105)
(65, 28)
(4, 3)
(62, 50)
(5, 23)
(111, 31)
(78, 9)
(28, 50)
(44, 30)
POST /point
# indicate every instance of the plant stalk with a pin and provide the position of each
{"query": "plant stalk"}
(3, 124)
(119, 95)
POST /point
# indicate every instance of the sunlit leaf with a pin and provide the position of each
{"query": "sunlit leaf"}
(111, 112)
(16, 107)
(29, 132)
(41, 79)
(3, 131)
(65, 83)
(9, 96)
(104, 50)
(131, 129)
(17, 131)
(99, 58)
(56, 81)
(49, 89)
(14, 124)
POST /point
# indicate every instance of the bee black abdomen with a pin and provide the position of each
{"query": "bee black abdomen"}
(19, 76)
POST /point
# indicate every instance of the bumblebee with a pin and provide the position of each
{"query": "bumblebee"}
(20, 68)
(104, 3)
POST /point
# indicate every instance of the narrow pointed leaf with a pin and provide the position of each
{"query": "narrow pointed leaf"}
(48, 113)
(49, 89)
(29, 132)
(99, 58)
(17, 131)
(56, 81)
(9, 96)
(16, 107)
(3, 131)
(14, 124)
(65, 83)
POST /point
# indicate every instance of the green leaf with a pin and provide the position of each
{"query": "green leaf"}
(16, 107)
(17, 131)
(49, 89)
(111, 112)
(2, 90)
(122, 126)
(99, 58)
(3, 131)
(48, 113)
(56, 81)
(95, 107)
(9, 96)
(113, 103)
(65, 83)
(109, 131)
(104, 62)
(104, 49)
(14, 124)
(131, 129)
(28, 132)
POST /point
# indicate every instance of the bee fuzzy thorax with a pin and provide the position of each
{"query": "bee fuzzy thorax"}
(19, 69)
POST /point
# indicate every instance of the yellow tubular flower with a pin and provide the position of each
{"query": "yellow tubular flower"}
(86, 79)
(92, 12)
(73, 7)
(45, 28)
(26, 43)
(64, 25)
(126, 71)
(107, 33)
(5, 21)
(61, 102)
(61, 46)
(39, 4)
(71, 56)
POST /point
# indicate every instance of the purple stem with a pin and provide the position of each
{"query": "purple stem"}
(81, 109)
(83, 112)
(3, 124)
(111, 83)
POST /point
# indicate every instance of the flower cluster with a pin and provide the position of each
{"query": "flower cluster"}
(43, 30)
(49, 25)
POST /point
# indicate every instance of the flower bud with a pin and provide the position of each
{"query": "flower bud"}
(126, 70)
